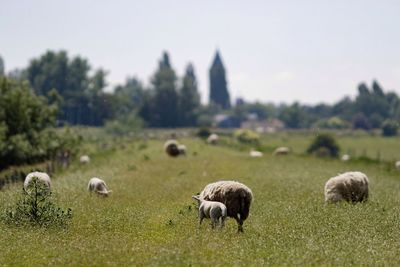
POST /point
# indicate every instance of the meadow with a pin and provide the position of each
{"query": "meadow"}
(150, 218)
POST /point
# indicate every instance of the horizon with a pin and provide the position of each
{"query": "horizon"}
(312, 57)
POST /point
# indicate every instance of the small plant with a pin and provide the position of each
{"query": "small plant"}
(36, 208)
(247, 136)
(324, 145)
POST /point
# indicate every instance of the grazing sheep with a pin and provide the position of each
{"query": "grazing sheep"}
(236, 196)
(349, 186)
(213, 139)
(85, 159)
(171, 147)
(98, 186)
(182, 149)
(256, 154)
(282, 151)
(41, 176)
(213, 210)
(397, 165)
(345, 157)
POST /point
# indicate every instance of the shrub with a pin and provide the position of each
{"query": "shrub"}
(36, 208)
(247, 136)
(324, 145)
(203, 132)
(389, 128)
(124, 125)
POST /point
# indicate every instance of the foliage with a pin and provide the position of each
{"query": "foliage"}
(36, 208)
(360, 121)
(247, 136)
(219, 93)
(189, 99)
(2, 68)
(203, 132)
(332, 123)
(390, 128)
(124, 125)
(128, 97)
(84, 102)
(324, 145)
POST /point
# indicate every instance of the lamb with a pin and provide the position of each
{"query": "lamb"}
(171, 148)
(213, 139)
(214, 210)
(256, 154)
(41, 176)
(85, 159)
(282, 151)
(98, 186)
(182, 149)
(349, 186)
(236, 196)
(345, 157)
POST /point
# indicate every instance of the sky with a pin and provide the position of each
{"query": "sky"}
(310, 51)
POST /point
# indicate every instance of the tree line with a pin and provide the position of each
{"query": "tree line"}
(173, 101)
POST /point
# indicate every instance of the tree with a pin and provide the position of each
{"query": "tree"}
(2, 68)
(189, 98)
(160, 108)
(389, 128)
(218, 85)
(129, 96)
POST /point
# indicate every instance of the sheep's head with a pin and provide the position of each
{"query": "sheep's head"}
(197, 198)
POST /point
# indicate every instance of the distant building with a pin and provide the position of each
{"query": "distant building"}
(226, 121)
(265, 126)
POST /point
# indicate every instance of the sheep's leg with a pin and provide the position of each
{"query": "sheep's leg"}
(239, 222)
(222, 222)
(201, 216)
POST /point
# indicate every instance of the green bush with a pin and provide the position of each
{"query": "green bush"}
(203, 132)
(35, 208)
(124, 125)
(247, 136)
(332, 123)
(324, 145)
(26, 126)
(389, 128)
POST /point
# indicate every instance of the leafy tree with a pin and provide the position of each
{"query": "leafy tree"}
(160, 108)
(2, 68)
(293, 116)
(23, 120)
(189, 98)
(218, 85)
(360, 121)
(129, 96)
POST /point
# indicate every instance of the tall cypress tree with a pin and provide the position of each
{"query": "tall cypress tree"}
(218, 86)
(189, 98)
(2, 70)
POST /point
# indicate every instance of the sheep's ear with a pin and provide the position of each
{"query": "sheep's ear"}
(196, 198)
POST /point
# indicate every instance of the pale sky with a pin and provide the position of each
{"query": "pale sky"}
(274, 51)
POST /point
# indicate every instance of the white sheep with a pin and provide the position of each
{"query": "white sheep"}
(41, 176)
(182, 149)
(397, 165)
(345, 157)
(171, 148)
(214, 210)
(98, 186)
(85, 159)
(281, 151)
(256, 154)
(236, 196)
(349, 186)
(213, 139)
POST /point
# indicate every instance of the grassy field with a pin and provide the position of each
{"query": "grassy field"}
(150, 218)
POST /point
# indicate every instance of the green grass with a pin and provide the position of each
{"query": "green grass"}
(150, 218)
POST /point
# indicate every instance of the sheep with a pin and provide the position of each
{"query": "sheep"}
(236, 196)
(171, 148)
(349, 186)
(213, 139)
(282, 151)
(182, 149)
(41, 176)
(214, 210)
(256, 154)
(98, 186)
(85, 159)
(345, 157)
(397, 164)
